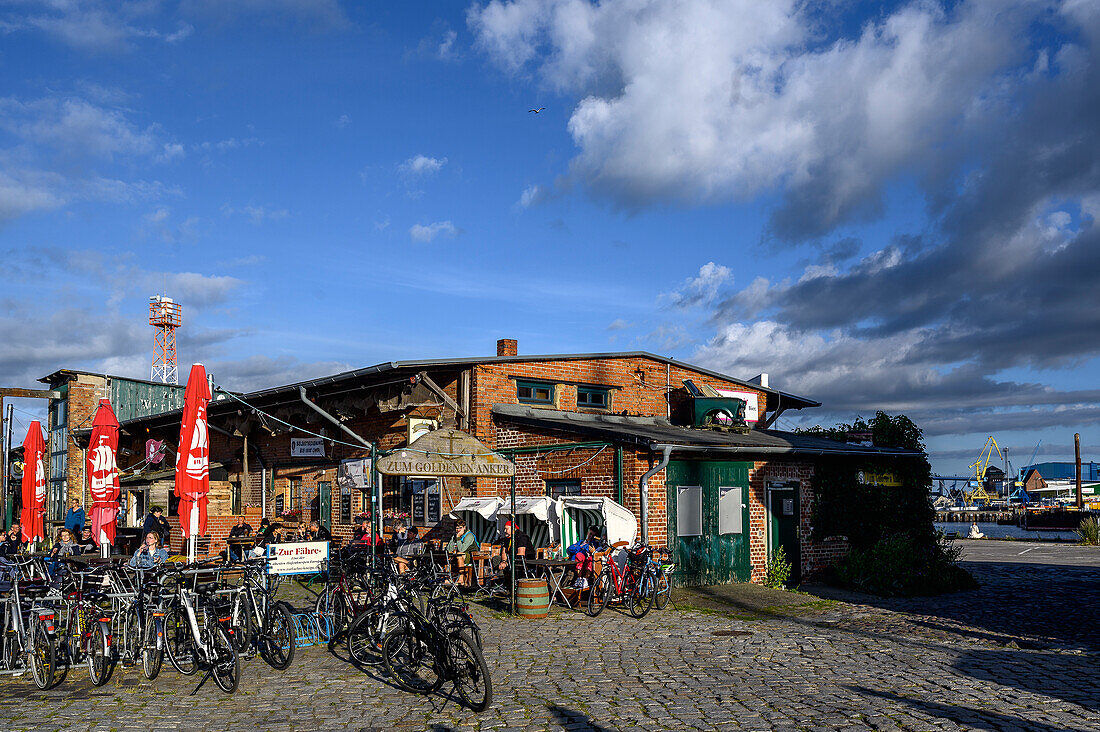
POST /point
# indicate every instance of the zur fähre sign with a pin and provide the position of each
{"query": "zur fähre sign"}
(446, 453)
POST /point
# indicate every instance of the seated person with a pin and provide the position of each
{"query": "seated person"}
(87, 542)
(361, 538)
(12, 541)
(400, 532)
(269, 534)
(316, 532)
(584, 553)
(524, 549)
(462, 546)
(240, 530)
(410, 546)
(150, 553)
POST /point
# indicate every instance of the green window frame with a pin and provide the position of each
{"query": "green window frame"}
(593, 397)
(534, 392)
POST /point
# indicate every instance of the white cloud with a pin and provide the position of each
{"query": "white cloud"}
(619, 324)
(701, 289)
(171, 151)
(532, 195)
(705, 100)
(343, 121)
(420, 232)
(422, 165)
(75, 127)
(256, 214)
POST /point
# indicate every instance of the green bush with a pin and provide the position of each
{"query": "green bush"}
(903, 566)
(778, 571)
(1089, 531)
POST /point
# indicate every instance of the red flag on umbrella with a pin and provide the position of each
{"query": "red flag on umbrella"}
(193, 458)
(34, 484)
(103, 472)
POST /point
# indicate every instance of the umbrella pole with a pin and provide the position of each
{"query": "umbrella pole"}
(192, 537)
(104, 547)
(512, 544)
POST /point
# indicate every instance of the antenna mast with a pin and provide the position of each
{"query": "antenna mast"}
(165, 316)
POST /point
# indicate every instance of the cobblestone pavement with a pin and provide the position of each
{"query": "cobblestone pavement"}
(946, 663)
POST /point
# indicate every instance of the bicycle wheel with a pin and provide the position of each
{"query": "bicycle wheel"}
(99, 654)
(129, 642)
(279, 637)
(643, 594)
(330, 612)
(664, 589)
(600, 593)
(471, 675)
(411, 662)
(182, 650)
(226, 662)
(243, 625)
(362, 643)
(152, 647)
(41, 656)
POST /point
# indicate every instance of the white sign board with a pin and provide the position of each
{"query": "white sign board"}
(303, 557)
(752, 404)
(307, 447)
(689, 510)
(354, 474)
(729, 510)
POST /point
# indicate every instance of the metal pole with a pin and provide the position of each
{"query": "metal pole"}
(1077, 459)
(375, 503)
(512, 566)
(5, 443)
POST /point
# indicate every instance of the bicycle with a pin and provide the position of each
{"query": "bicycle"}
(260, 622)
(29, 630)
(635, 584)
(426, 650)
(340, 600)
(664, 571)
(198, 632)
(87, 634)
(142, 624)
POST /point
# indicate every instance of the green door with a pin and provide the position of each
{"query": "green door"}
(708, 520)
(324, 495)
(783, 513)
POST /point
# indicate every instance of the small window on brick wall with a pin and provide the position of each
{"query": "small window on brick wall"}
(590, 397)
(534, 392)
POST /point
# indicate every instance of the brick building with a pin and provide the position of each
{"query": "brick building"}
(688, 450)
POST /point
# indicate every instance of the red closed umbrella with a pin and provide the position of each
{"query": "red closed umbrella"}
(34, 484)
(193, 458)
(103, 472)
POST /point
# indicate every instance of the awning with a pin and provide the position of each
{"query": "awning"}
(446, 452)
(487, 508)
(580, 512)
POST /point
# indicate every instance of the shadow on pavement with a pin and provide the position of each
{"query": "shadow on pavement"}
(964, 716)
(1057, 605)
(574, 720)
(1071, 678)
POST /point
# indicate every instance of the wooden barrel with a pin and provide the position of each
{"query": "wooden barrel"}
(532, 598)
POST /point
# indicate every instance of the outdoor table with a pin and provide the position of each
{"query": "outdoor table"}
(554, 571)
(241, 543)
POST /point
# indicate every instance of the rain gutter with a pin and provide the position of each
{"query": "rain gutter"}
(643, 487)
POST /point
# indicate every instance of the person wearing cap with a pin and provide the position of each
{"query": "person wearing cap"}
(524, 548)
(87, 542)
(461, 548)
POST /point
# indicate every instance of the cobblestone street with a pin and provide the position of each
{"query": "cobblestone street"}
(1008, 656)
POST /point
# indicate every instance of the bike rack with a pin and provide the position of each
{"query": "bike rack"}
(307, 631)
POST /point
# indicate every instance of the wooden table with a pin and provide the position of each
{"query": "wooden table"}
(242, 544)
(554, 570)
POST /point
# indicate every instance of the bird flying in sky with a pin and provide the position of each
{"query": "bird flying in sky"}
(536, 111)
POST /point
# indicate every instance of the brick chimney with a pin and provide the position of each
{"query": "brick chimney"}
(507, 347)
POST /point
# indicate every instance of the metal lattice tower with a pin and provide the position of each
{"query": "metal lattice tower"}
(164, 315)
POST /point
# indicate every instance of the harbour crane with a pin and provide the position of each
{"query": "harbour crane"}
(985, 459)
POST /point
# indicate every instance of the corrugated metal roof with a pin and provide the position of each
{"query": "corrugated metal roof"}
(656, 432)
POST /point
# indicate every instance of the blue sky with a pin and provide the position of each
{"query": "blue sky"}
(882, 205)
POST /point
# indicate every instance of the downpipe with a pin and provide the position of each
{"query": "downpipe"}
(643, 489)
